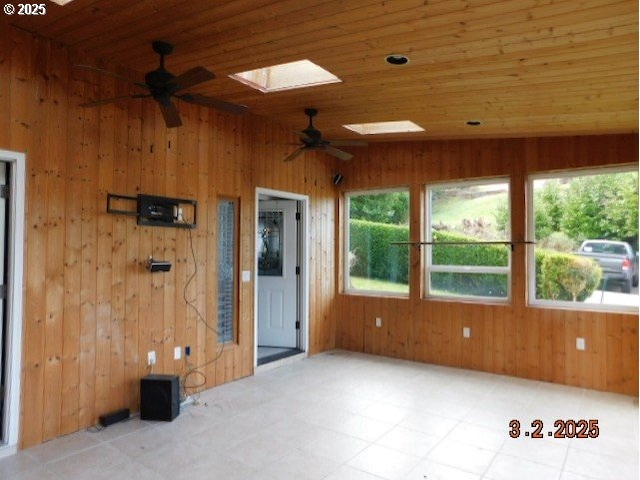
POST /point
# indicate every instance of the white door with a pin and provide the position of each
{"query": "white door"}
(3, 319)
(277, 277)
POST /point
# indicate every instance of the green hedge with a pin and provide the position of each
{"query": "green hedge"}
(477, 255)
(563, 276)
(478, 284)
(375, 258)
(369, 241)
(559, 276)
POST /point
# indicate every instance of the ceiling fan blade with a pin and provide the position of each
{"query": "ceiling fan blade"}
(344, 156)
(171, 115)
(293, 155)
(193, 77)
(111, 74)
(349, 143)
(214, 103)
(105, 101)
(304, 137)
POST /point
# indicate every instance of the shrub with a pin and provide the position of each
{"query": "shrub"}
(563, 276)
(477, 284)
(478, 255)
(375, 258)
(558, 241)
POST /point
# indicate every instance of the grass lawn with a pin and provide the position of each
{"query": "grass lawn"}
(375, 285)
(452, 211)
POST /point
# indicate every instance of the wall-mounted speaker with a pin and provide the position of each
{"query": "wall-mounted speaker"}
(159, 397)
(337, 179)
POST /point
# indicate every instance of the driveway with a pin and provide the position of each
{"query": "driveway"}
(615, 298)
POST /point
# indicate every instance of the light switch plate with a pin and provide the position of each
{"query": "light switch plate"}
(246, 276)
(466, 332)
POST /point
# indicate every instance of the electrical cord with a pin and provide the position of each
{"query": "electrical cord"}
(196, 370)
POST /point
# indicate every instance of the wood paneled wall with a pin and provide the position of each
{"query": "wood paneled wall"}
(92, 311)
(513, 339)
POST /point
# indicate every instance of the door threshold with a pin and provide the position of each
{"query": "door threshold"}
(294, 357)
(271, 354)
(7, 450)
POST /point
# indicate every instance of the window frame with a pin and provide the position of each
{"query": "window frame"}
(427, 265)
(346, 197)
(532, 301)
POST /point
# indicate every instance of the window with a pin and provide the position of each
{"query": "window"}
(585, 225)
(227, 269)
(472, 222)
(373, 264)
(286, 76)
(377, 128)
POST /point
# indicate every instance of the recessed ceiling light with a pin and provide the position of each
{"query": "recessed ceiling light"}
(62, 2)
(474, 123)
(377, 128)
(286, 76)
(396, 59)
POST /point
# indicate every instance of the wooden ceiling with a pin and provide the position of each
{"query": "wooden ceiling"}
(522, 67)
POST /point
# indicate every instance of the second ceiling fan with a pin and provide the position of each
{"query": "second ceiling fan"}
(312, 140)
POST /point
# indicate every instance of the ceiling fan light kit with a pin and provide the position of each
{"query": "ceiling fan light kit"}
(163, 86)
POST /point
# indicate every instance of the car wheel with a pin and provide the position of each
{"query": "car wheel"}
(626, 286)
(634, 282)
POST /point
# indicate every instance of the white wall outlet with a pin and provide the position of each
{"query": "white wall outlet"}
(177, 353)
(466, 332)
(151, 357)
(580, 344)
(378, 322)
(246, 276)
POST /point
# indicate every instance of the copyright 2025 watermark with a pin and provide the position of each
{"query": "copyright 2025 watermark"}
(25, 9)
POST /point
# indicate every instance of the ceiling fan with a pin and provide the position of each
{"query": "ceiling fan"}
(312, 140)
(162, 86)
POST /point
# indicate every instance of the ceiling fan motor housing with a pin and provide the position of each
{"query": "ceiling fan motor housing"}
(161, 85)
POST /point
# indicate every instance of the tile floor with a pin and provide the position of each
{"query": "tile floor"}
(348, 416)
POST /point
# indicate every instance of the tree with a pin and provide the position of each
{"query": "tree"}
(602, 206)
(501, 214)
(390, 208)
(550, 207)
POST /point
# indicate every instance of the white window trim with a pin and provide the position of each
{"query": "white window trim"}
(532, 301)
(14, 310)
(429, 267)
(345, 244)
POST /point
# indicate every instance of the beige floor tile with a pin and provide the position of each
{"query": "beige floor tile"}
(351, 416)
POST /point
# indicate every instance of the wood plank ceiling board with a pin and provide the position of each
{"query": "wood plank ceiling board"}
(524, 68)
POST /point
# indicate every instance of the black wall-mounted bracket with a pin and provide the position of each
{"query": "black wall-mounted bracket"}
(155, 211)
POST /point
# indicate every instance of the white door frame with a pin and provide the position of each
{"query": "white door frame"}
(15, 262)
(304, 273)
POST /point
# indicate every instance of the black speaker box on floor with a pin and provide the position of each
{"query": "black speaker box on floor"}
(159, 397)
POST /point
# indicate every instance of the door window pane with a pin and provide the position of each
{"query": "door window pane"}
(270, 234)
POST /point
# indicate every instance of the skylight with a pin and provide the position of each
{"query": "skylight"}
(377, 128)
(286, 76)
